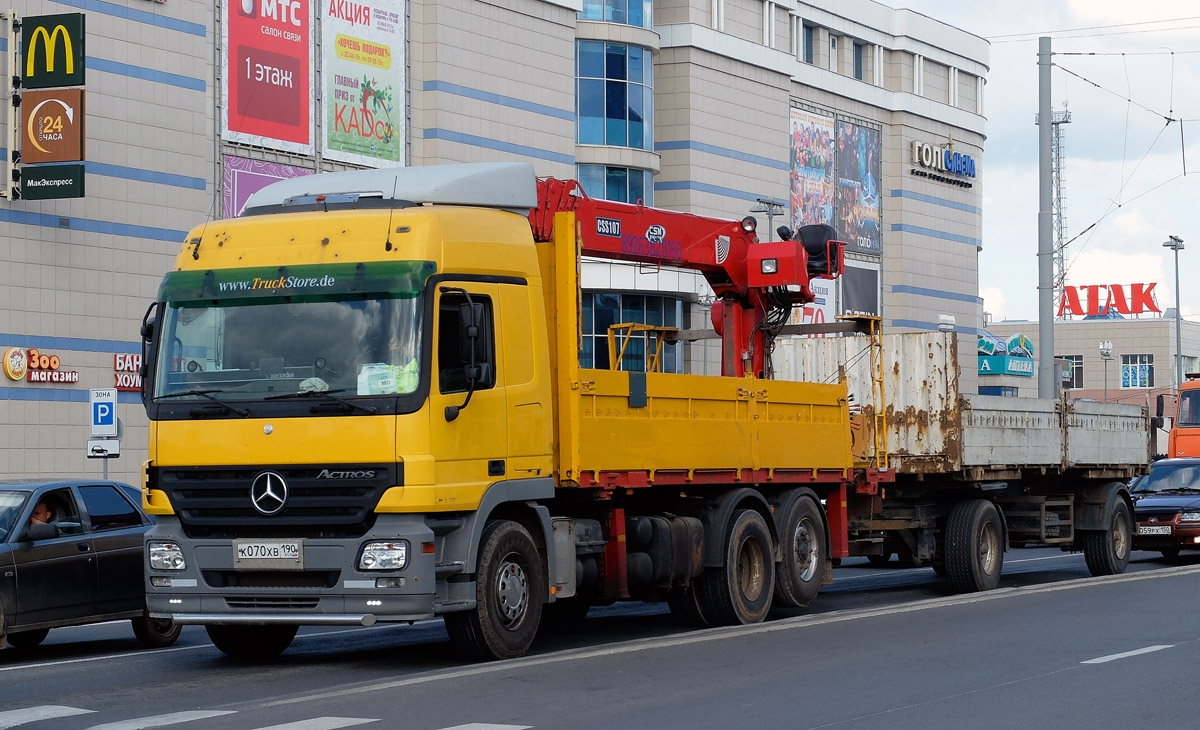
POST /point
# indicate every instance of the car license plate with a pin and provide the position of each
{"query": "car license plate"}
(1154, 530)
(269, 554)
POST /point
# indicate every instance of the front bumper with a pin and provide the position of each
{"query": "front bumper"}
(1183, 536)
(329, 590)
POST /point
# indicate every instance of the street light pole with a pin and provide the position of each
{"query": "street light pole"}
(1106, 355)
(772, 208)
(1176, 244)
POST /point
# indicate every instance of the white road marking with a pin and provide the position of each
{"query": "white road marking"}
(724, 633)
(321, 723)
(487, 726)
(1126, 654)
(13, 718)
(172, 718)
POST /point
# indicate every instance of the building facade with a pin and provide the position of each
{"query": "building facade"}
(849, 113)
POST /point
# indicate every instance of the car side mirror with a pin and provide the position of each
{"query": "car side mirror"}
(41, 531)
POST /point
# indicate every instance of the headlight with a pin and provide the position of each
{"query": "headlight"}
(1190, 517)
(165, 556)
(770, 266)
(384, 556)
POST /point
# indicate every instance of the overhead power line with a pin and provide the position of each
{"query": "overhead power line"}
(1095, 27)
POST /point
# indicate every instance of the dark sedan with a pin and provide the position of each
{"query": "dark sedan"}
(1167, 507)
(71, 554)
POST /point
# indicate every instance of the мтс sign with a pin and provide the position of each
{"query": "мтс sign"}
(54, 53)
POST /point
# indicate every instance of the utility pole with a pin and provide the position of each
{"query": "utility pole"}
(1046, 385)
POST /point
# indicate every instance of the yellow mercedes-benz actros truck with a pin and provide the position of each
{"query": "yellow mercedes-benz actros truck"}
(366, 405)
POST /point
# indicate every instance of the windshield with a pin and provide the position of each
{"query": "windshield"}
(10, 508)
(288, 341)
(1169, 477)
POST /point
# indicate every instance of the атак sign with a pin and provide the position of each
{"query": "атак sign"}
(1108, 298)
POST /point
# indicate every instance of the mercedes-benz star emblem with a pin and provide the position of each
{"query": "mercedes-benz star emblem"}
(268, 493)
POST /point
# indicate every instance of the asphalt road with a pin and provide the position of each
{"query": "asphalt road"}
(880, 648)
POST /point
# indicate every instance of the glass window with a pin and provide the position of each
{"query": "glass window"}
(1073, 371)
(107, 509)
(619, 184)
(454, 355)
(612, 308)
(808, 44)
(1189, 409)
(63, 512)
(615, 93)
(1137, 371)
(858, 61)
(10, 509)
(626, 12)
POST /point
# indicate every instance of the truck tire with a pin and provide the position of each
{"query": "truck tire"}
(510, 588)
(740, 591)
(802, 553)
(27, 639)
(155, 633)
(1107, 551)
(974, 546)
(251, 643)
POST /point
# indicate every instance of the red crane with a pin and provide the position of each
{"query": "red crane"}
(756, 284)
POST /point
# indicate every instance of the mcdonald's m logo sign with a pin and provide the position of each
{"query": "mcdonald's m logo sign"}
(53, 46)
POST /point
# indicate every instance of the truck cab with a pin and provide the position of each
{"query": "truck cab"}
(1185, 431)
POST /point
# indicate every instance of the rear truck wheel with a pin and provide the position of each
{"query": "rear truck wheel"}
(740, 591)
(879, 560)
(974, 552)
(251, 643)
(1107, 551)
(155, 633)
(27, 639)
(802, 555)
(510, 592)
(1170, 553)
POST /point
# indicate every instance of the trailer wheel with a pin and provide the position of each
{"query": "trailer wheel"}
(802, 549)
(740, 591)
(510, 592)
(974, 553)
(1107, 551)
(251, 643)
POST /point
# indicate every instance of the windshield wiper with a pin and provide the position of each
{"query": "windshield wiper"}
(204, 394)
(324, 394)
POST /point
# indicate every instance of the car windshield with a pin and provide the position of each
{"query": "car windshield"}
(265, 337)
(1165, 477)
(11, 503)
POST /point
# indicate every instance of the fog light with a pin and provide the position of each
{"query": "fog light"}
(1196, 540)
(770, 266)
(394, 581)
(384, 556)
(160, 581)
(165, 556)
(374, 603)
(175, 601)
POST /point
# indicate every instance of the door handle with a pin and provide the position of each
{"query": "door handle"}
(83, 547)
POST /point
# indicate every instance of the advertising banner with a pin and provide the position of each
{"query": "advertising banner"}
(54, 52)
(243, 177)
(53, 127)
(860, 289)
(859, 171)
(267, 72)
(363, 70)
(812, 186)
(821, 310)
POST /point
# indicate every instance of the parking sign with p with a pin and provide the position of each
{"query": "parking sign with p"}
(104, 412)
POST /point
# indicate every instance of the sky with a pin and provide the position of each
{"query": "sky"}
(1123, 163)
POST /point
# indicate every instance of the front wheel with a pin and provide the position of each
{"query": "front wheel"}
(510, 591)
(740, 591)
(802, 551)
(155, 633)
(251, 643)
(974, 556)
(1107, 551)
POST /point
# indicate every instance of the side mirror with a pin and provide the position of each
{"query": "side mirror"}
(1160, 407)
(1157, 422)
(41, 532)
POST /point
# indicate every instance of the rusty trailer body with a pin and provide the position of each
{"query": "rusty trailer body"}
(992, 472)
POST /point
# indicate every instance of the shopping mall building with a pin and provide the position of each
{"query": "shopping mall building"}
(845, 112)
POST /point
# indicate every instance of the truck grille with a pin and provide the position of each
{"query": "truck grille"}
(272, 602)
(216, 501)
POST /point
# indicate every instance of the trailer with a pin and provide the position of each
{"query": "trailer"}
(975, 475)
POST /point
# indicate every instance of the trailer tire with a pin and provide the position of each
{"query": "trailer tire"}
(740, 590)
(974, 552)
(27, 639)
(510, 590)
(802, 552)
(1107, 551)
(251, 643)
